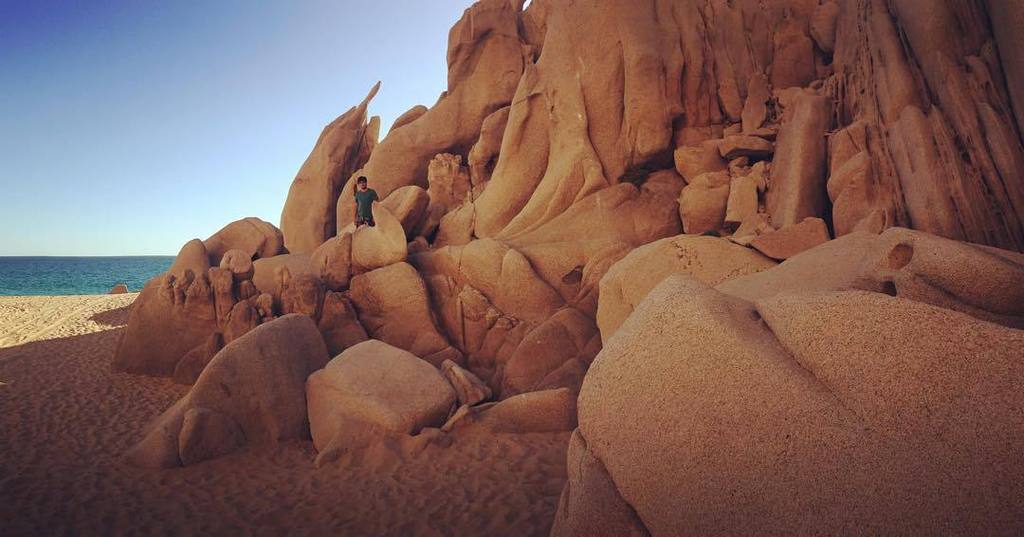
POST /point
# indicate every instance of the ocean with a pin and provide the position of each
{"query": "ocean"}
(77, 275)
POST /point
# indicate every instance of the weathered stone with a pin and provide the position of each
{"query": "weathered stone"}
(693, 161)
(740, 145)
(265, 271)
(207, 434)
(310, 212)
(751, 228)
(332, 262)
(409, 205)
(191, 365)
(755, 108)
(823, 25)
(797, 188)
(469, 389)
(590, 503)
(702, 203)
(791, 240)
(238, 263)
(257, 238)
(393, 306)
(708, 259)
(339, 324)
(534, 412)
(302, 293)
(742, 202)
(380, 245)
(256, 382)
(380, 385)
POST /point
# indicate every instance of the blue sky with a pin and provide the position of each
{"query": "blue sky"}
(130, 127)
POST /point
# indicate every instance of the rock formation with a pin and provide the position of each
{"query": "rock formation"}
(344, 146)
(856, 169)
(486, 58)
(707, 259)
(253, 391)
(915, 396)
(254, 237)
(379, 385)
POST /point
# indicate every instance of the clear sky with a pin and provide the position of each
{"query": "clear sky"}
(130, 127)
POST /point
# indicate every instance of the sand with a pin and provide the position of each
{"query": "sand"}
(66, 419)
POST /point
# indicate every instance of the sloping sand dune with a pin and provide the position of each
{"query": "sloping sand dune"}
(66, 419)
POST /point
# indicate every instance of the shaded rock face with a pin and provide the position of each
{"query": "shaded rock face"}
(252, 392)
(173, 314)
(942, 153)
(180, 313)
(856, 388)
(308, 218)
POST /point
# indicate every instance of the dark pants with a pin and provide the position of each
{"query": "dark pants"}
(368, 221)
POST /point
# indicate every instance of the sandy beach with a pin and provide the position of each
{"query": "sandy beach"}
(66, 419)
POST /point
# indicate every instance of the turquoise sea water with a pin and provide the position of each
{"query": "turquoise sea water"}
(77, 275)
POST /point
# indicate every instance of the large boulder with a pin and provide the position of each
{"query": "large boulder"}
(792, 239)
(266, 271)
(590, 503)
(252, 392)
(256, 238)
(853, 388)
(238, 263)
(485, 151)
(393, 306)
(744, 145)
(702, 203)
(308, 218)
(174, 313)
(409, 205)
(709, 259)
(332, 262)
(567, 335)
(378, 246)
(694, 161)
(191, 365)
(339, 324)
(905, 263)
(380, 385)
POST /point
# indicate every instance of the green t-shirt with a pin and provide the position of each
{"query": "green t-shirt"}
(364, 202)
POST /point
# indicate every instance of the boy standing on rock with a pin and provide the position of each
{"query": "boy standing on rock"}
(365, 197)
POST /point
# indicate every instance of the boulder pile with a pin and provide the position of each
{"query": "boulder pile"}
(771, 246)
